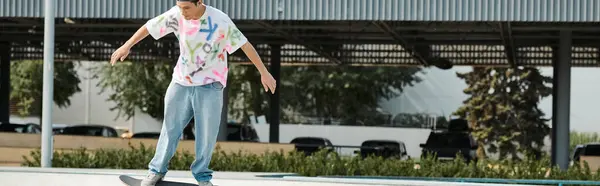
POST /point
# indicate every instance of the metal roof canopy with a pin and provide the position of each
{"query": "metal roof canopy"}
(328, 42)
(356, 10)
(355, 32)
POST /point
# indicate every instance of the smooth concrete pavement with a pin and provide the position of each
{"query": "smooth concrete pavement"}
(28, 176)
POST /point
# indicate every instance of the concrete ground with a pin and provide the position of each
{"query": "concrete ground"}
(28, 176)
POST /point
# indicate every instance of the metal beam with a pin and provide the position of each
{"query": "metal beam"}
(4, 82)
(341, 30)
(561, 106)
(337, 38)
(408, 47)
(299, 41)
(321, 25)
(598, 56)
(297, 63)
(509, 44)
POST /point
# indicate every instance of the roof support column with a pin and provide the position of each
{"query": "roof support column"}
(274, 105)
(224, 119)
(561, 100)
(509, 44)
(4, 82)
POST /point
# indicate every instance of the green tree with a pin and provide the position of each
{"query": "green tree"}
(26, 82)
(132, 85)
(350, 93)
(502, 109)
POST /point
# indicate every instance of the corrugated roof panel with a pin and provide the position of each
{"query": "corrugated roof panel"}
(400, 10)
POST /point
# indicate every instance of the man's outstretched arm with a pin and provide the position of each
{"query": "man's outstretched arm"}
(266, 78)
(137, 37)
(123, 51)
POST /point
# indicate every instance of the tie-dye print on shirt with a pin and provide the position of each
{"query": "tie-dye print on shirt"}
(204, 44)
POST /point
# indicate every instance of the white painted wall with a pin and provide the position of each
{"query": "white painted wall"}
(440, 92)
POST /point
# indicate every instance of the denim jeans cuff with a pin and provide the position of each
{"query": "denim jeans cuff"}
(202, 177)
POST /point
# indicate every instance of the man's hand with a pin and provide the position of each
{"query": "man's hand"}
(123, 51)
(268, 82)
(119, 54)
(266, 78)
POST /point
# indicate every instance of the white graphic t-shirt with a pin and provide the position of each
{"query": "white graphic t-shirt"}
(204, 44)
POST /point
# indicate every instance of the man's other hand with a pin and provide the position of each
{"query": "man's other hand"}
(119, 54)
(268, 82)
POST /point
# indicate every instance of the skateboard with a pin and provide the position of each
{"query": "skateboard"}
(130, 181)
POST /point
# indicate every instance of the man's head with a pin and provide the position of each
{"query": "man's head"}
(191, 9)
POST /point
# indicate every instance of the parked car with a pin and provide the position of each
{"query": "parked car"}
(29, 128)
(89, 130)
(311, 145)
(589, 149)
(57, 128)
(445, 145)
(383, 148)
(576, 154)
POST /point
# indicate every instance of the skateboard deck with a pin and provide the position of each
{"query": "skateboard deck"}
(131, 181)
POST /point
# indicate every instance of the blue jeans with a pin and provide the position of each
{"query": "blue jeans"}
(204, 103)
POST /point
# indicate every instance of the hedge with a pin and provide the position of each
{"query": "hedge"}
(319, 164)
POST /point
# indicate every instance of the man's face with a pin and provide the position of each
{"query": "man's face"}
(190, 10)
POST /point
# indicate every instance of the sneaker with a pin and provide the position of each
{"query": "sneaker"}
(152, 179)
(205, 183)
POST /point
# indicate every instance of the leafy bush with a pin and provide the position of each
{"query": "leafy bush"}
(319, 164)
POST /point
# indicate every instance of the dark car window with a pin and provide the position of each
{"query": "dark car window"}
(328, 143)
(591, 150)
(387, 144)
(111, 132)
(249, 133)
(449, 140)
(436, 140)
(385, 148)
(234, 133)
(32, 128)
(87, 131)
(146, 135)
(577, 153)
(11, 128)
(312, 141)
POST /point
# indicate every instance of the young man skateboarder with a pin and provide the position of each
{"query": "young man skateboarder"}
(206, 36)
